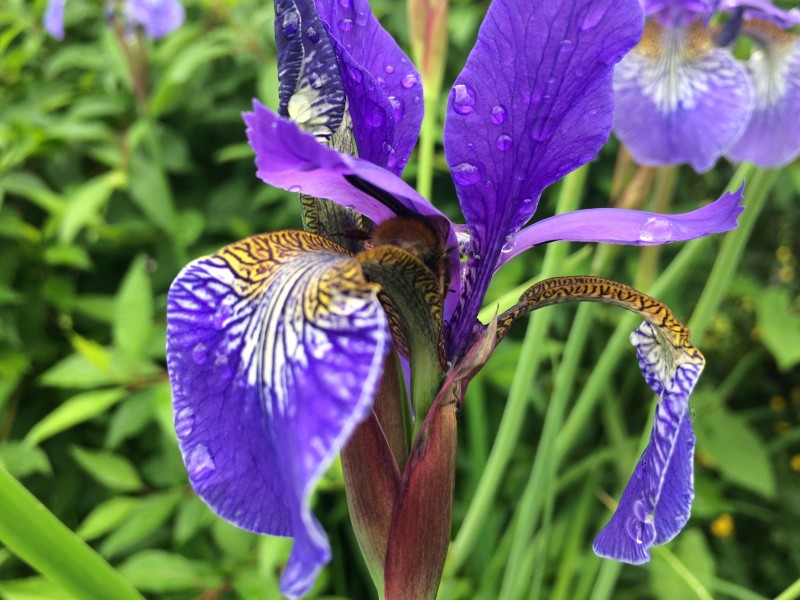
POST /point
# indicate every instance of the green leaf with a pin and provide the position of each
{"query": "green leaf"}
(85, 203)
(159, 571)
(149, 517)
(21, 460)
(68, 256)
(76, 410)
(133, 310)
(150, 189)
(735, 449)
(133, 415)
(779, 324)
(107, 516)
(33, 588)
(110, 470)
(75, 371)
(13, 366)
(684, 569)
(193, 515)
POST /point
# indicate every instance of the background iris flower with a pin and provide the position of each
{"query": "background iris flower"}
(683, 97)
(281, 346)
(156, 17)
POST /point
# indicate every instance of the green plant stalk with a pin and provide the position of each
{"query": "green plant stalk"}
(735, 591)
(427, 142)
(684, 573)
(731, 253)
(790, 593)
(513, 415)
(34, 534)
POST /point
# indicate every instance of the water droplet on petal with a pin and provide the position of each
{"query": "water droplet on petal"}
(463, 99)
(291, 21)
(200, 353)
(655, 230)
(381, 83)
(361, 18)
(389, 69)
(511, 241)
(466, 174)
(499, 114)
(199, 461)
(295, 189)
(354, 73)
(345, 24)
(409, 81)
(312, 35)
(503, 143)
(543, 129)
(398, 107)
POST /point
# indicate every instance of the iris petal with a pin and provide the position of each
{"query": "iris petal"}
(772, 137)
(634, 227)
(275, 347)
(382, 85)
(657, 500)
(533, 103)
(679, 99)
(54, 18)
(157, 17)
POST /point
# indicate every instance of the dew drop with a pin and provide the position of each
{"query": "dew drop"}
(184, 422)
(655, 230)
(381, 83)
(348, 47)
(295, 189)
(345, 24)
(499, 114)
(199, 461)
(398, 107)
(463, 99)
(466, 174)
(354, 73)
(312, 35)
(503, 143)
(511, 241)
(543, 129)
(409, 81)
(361, 18)
(199, 353)
(389, 69)
(290, 23)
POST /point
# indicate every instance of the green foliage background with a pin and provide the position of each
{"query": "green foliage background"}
(121, 159)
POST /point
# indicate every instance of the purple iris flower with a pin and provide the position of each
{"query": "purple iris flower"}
(156, 17)
(682, 97)
(276, 344)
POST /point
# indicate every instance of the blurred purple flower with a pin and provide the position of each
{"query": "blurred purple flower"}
(156, 17)
(276, 343)
(683, 97)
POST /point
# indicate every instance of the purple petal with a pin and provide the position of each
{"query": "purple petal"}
(290, 159)
(763, 10)
(275, 347)
(157, 17)
(772, 137)
(533, 103)
(679, 13)
(657, 500)
(382, 85)
(680, 99)
(631, 227)
(54, 18)
(310, 88)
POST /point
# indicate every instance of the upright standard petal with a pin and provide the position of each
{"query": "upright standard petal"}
(54, 18)
(772, 137)
(382, 85)
(633, 227)
(679, 98)
(157, 17)
(275, 348)
(533, 103)
(657, 501)
(310, 87)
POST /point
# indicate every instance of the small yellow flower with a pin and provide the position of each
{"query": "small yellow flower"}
(722, 527)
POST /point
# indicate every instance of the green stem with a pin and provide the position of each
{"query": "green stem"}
(34, 534)
(427, 143)
(514, 413)
(684, 573)
(790, 593)
(731, 253)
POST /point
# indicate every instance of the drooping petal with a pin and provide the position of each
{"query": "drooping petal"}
(290, 159)
(382, 85)
(54, 18)
(533, 103)
(679, 98)
(275, 348)
(657, 501)
(156, 17)
(632, 227)
(772, 137)
(311, 91)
